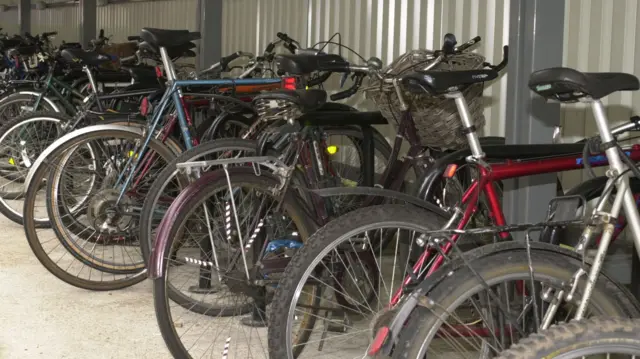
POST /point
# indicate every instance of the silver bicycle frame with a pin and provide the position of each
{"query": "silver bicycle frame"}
(619, 173)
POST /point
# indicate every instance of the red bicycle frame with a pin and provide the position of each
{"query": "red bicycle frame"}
(485, 184)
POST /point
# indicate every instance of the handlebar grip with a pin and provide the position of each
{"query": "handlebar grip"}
(320, 79)
(134, 38)
(227, 59)
(270, 47)
(282, 36)
(47, 34)
(468, 44)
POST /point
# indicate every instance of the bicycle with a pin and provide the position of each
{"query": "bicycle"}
(421, 252)
(562, 290)
(113, 212)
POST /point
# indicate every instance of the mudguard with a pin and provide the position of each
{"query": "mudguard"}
(381, 192)
(70, 136)
(406, 307)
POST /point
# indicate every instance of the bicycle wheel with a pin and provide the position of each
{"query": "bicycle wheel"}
(18, 104)
(598, 337)
(458, 317)
(168, 184)
(23, 139)
(344, 255)
(93, 242)
(190, 313)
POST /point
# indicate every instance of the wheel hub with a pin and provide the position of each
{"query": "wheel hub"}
(106, 215)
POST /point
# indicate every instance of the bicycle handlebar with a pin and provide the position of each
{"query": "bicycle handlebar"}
(350, 91)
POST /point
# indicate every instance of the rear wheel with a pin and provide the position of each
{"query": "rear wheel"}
(93, 244)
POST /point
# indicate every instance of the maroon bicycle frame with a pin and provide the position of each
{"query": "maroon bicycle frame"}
(485, 184)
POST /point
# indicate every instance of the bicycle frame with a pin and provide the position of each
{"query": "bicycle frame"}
(491, 173)
(174, 95)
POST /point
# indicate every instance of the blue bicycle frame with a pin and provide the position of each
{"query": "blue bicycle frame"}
(174, 94)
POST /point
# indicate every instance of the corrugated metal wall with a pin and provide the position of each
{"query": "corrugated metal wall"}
(118, 20)
(122, 20)
(9, 22)
(600, 35)
(381, 28)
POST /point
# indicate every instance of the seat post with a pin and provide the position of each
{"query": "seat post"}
(469, 129)
(168, 65)
(92, 80)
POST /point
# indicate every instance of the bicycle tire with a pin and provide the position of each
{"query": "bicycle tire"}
(352, 222)
(577, 339)
(30, 226)
(191, 197)
(454, 283)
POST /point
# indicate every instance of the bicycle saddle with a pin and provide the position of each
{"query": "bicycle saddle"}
(305, 64)
(568, 85)
(307, 100)
(167, 38)
(90, 58)
(440, 82)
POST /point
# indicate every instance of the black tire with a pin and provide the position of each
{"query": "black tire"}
(324, 238)
(192, 197)
(578, 339)
(31, 225)
(447, 291)
(168, 173)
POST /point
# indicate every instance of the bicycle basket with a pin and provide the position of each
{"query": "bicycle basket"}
(436, 119)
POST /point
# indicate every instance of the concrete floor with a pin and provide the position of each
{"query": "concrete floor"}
(43, 317)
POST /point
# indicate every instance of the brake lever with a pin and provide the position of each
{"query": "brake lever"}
(343, 79)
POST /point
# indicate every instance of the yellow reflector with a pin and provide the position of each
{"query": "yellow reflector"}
(12, 162)
(332, 150)
(130, 153)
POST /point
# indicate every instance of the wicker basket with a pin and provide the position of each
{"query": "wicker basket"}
(436, 119)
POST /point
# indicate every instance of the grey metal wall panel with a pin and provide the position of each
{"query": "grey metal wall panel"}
(239, 25)
(9, 22)
(125, 19)
(599, 35)
(64, 20)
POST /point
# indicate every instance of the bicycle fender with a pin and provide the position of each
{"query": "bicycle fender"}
(36, 94)
(70, 136)
(381, 192)
(157, 259)
(408, 305)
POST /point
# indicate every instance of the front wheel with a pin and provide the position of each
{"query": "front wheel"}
(481, 307)
(596, 336)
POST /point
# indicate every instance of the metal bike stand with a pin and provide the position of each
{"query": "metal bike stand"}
(368, 153)
(258, 317)
(204, 281)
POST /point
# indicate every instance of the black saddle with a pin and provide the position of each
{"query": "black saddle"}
(167, 38)
(90, 58)
(569, 85)
(143, 74)
(441, 82)
(70, 45)
(305, 64)
(307, 100)
(134, 38)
